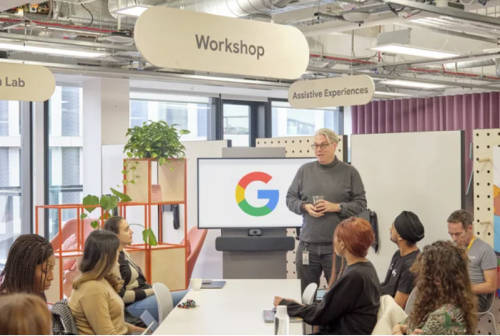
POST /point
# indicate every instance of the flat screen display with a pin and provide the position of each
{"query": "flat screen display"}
(246, 193)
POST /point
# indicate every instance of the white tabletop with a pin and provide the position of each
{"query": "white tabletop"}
(235, 309)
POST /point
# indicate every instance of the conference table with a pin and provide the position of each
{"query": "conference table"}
(236, 309)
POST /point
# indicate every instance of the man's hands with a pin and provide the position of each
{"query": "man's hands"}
(320, 208)
(312, 211)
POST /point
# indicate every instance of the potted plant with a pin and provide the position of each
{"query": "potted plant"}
(156, 140)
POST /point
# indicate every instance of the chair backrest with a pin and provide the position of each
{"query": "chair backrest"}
(411, 300)
(196, 238)
(486, 324)
(164, 300)
(63, 322)
(389, 314)
(69, 228)
(309, 293)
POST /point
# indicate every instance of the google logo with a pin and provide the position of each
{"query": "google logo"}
(271, 195)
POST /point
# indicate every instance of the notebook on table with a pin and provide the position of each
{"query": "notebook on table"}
(209, 284)
(269, 317)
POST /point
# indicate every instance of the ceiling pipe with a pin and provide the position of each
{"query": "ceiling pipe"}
(231, 8)
(392, 77)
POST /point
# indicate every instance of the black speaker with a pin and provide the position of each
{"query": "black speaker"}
(254, 243)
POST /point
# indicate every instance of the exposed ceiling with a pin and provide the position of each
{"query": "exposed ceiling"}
(341, 35)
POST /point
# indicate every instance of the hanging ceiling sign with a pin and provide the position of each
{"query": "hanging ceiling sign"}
(330, 92)
(187, 40)
(23, 82)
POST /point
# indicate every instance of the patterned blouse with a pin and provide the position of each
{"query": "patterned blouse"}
(446, 320)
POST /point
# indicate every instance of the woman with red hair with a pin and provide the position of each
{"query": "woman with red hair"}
(351, 304)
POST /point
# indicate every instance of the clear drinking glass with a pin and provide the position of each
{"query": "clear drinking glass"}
(317, 198)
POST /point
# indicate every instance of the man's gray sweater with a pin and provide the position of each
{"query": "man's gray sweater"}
(338, 182)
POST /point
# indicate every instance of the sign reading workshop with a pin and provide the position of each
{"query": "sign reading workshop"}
(330, 92)
(182, 39)
(23, 82)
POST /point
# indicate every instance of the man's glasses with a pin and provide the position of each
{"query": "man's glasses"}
(322, 146)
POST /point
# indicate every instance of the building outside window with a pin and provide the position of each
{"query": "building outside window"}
(187, 112)
(237, 124)
(10, 171)
(65, 152)
(287, 121)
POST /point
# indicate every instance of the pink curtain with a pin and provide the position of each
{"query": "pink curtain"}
(460, 112)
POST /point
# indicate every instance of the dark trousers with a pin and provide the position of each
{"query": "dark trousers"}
(320, 260)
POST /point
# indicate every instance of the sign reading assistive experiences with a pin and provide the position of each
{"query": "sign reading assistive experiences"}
(23, 82)
(330, 92)
(181, 39)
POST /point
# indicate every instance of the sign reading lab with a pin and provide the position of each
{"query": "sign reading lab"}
(330, 92)
(23, 82)
(187, 40)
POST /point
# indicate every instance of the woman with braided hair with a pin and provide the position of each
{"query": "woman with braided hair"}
(30, 266)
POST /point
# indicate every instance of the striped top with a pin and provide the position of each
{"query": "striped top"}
(135, 287)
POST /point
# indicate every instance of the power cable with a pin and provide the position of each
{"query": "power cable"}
(91, 15)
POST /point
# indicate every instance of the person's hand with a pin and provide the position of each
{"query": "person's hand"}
(417, 332)
(312, 211)
(323, 206)
(277, 300)
(398, 329)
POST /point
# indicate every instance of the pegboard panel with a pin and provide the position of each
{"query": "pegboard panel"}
(483, 144)
(300, 146)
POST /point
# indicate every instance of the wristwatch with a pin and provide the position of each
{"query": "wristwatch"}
(340, 207)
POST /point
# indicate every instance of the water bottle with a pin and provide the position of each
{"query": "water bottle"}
(281, 321)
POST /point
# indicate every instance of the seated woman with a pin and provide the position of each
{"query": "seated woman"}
(351, 304)
(30, 266)
(24, 314)
(445, 304)
(137, 293)
(94, 302)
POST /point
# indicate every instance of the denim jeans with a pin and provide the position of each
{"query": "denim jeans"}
(150, 304)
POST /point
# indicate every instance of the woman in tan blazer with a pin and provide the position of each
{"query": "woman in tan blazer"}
(94, 302)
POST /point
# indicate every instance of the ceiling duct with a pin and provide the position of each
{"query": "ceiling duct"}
(231, 8)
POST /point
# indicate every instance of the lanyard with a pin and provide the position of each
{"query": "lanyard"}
(471, 242)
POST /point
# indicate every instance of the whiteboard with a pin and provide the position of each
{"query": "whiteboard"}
(246, 192)
(418, 172)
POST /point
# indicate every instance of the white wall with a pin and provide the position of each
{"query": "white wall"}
(419, 172)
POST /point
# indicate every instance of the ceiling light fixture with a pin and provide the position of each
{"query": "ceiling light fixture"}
(52, 51)
(395, 48)
(135, 10)
(412, 84)
(390, 94)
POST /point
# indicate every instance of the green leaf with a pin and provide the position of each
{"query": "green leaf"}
(113, 202)
(184, 132)
(152, 238)
(105, 200)
(94, 224)
(129, 154)
(133, 182)
(121, 196)
(125, 182)
(83, 215)
(90, 202)
(145, 235)
(125, 172)
(161, 161)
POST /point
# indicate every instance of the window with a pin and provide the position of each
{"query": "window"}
(10, 177)
(237, 124)
(287, 121)
(65, 153)
(190, 113)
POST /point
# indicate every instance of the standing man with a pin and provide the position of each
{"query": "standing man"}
(406, 231)
(483, 260)
(343, 195)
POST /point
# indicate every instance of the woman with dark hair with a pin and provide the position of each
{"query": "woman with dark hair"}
(94, 302)
(137, 293)
(24, 314)
(30, 266)
(445, 304)
(351, 304)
